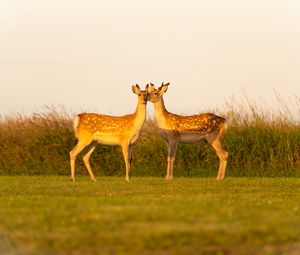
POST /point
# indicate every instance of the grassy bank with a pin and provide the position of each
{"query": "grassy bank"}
(260, 142)
(51, 215)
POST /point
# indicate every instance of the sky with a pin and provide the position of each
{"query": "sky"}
(86, 54)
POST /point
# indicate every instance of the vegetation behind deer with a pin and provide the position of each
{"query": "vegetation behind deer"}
(260, 142)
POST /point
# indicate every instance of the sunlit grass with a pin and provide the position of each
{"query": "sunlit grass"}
(51, 215)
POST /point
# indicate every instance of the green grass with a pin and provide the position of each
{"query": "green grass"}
(51, 215)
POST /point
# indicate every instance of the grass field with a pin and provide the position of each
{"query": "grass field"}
(51, 215)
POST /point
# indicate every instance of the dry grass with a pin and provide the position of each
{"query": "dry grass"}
(261, 142)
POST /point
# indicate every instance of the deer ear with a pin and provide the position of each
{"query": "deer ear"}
(163, 88)
(150, 87)
(136, 89)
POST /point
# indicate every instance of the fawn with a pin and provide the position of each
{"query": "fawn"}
(91, 129)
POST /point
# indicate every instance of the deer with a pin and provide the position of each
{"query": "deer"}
(176, 129)
(92, 128)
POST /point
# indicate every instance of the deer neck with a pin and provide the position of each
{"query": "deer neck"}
(140, 115)
(160, 113)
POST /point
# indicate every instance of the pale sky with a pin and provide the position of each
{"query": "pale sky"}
(85, 55)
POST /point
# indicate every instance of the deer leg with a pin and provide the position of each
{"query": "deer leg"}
(86, 159)
(172, 148)
(127, 153)
(73, 154)
(223, 155)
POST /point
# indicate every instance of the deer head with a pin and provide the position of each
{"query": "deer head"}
(142, 94)
(156, 94)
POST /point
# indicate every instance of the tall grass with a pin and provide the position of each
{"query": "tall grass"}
(267, 140)
(35, 144)
(261, 142)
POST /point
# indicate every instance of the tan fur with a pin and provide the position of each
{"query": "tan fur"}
(75, 123)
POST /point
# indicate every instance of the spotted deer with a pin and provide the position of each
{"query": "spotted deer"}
(91, 129)
(187, 129)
